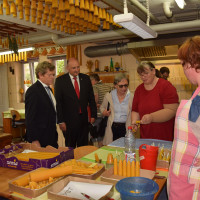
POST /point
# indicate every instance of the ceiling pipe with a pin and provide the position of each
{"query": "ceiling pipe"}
(107, 50)
(93, 37)
(124, 33)
(177, 27)
(142, 8)
(167, 10)
(40, 38)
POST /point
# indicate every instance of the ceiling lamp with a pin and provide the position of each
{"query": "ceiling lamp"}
(180, 3)
(20, 50)
(134, 24)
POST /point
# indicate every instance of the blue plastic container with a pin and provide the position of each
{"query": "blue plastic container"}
(145, 188)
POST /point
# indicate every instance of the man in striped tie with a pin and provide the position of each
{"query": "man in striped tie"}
(40, 108)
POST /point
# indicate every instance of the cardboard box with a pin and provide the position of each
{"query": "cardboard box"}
(53, 191)
(90, 176)
(30, 193)
(109, 176)
(8, 159)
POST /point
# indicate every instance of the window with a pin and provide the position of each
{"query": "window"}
(59, 66)
(29, 70)
(29, 74)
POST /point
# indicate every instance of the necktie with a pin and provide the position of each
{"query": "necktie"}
(49, 93)
(76, 87)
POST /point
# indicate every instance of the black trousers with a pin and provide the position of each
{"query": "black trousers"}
(119, 130)
(77, 133)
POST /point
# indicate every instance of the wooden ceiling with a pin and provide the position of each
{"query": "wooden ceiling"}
(14, 29)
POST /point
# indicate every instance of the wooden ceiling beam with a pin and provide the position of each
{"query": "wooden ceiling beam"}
(13, 31)
(14, 28)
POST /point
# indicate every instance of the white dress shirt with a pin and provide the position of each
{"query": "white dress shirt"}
(72, 79)
(52, 96)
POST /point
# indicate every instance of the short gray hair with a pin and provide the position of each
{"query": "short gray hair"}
(119, 77)
(42, 68)
(95, 77)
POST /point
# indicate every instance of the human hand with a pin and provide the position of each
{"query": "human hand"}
(106, 113)
(63, 126)
(92, 120)
(134, 127)
(146, 119)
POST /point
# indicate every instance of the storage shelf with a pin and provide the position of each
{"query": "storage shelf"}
(102, 72)
(107, 77)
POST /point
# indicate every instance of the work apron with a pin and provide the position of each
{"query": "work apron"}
(183, 176)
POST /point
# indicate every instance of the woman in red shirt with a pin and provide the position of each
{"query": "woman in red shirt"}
(155, 103)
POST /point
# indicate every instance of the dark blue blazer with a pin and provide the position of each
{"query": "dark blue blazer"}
(40, 116)
(67, 102)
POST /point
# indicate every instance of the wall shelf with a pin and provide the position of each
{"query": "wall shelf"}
(107, 77)
(102, 72)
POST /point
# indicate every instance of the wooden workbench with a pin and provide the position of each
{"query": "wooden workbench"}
(7, 174)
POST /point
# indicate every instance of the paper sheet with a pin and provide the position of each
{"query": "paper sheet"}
(74, 189)
(28, 151)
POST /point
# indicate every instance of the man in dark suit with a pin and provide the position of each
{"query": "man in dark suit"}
(40, 108)
(73, 92)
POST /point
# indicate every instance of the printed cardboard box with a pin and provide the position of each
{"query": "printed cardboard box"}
(8, 159)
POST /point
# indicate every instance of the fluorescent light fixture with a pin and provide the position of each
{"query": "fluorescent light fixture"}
(135, 25)
(180, 3)
(19, 50)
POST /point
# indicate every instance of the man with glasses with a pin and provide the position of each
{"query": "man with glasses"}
(119, 114)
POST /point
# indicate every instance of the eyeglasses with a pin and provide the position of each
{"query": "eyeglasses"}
(121, 86)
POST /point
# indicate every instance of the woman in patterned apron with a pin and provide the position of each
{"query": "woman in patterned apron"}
(184, 173)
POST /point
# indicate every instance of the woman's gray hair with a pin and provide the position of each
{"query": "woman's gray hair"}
(119, 77)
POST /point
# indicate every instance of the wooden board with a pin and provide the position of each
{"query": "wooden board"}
(89, 176)
(108, 175)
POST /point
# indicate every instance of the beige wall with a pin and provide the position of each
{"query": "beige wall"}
(15, 82)
(129, 64)
(177, 78)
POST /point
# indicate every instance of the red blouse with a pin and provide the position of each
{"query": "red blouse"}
(148, 101)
